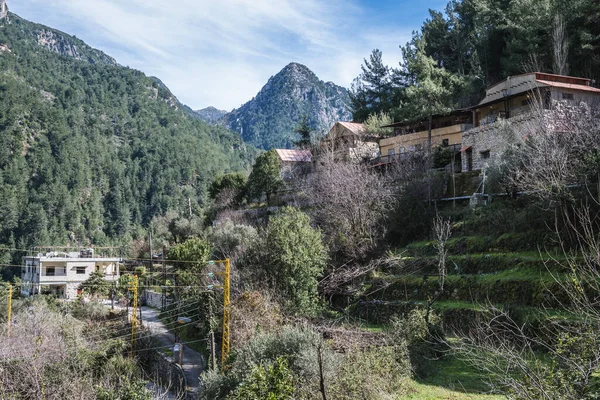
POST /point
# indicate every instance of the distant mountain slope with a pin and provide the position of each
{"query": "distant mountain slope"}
(92, 150)
(268, 120)
(211, 115)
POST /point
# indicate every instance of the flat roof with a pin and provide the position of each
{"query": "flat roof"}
(74, 259)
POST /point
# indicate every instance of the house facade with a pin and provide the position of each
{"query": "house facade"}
(514, 99)
(349, 142)
(294, 163)
(61, 273)
(446, 131)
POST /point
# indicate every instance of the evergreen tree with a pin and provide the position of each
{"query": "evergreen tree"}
(265, 176)
(295, 257)
(372, 92)
(304, 130)
(431, 88)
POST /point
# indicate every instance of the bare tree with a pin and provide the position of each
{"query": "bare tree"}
(546, 152)
(560, 46)
(560, 359)
(350, 206)
(533, 63)
(442, 230)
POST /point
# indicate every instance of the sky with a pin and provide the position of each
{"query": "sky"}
(221, 52)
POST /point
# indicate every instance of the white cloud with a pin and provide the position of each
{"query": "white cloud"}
(221, 52)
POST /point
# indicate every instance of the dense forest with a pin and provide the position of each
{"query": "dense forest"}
(92, 151)
(473, 44)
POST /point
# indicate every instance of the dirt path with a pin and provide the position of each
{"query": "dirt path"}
(193, 361)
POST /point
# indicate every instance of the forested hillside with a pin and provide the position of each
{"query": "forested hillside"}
(91, 150)
(474, 44)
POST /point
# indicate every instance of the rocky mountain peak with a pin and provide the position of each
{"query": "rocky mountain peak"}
(211, 114)
(3, 9)
(269, 119)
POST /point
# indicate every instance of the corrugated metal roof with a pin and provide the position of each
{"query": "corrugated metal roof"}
(294, 155)
(563, 85)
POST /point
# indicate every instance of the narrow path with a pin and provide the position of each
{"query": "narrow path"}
(192, 360)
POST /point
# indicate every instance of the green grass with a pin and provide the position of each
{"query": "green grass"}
(431, 392)
(451, 378)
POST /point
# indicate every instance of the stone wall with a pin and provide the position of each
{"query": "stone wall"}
(170, 375)
(153, 299)
(488, 143)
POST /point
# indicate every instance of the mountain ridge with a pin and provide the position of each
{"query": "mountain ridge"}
(268, 120)
(93, 151)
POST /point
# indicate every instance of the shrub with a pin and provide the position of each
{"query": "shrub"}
(271, 382)
(290, 258)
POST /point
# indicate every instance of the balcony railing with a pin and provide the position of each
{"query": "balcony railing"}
(400, 157)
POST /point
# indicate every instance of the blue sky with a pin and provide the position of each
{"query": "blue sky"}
(221, 52)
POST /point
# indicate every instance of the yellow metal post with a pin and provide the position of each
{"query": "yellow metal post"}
(9, 306)
(134, 315)
(225, 346)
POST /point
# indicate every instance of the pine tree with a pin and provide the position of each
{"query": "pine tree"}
(304, 130)
(371, 93)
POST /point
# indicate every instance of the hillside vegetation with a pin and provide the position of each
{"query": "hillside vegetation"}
(92, 151)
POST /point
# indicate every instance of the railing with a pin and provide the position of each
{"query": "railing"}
(390, 158)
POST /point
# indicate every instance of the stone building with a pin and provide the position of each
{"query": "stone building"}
(294, 163)
(513, 99)
(350, 142)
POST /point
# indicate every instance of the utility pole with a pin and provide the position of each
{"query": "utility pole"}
(321, 375)
(134, 315)
(151, 257)
(164, 287)
(113, 293)
(9, 306)
(213, 361)
(225, 346)
(225, 343)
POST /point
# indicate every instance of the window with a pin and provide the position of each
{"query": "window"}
(567, 96)
(80, 270)
(485, 154)
(49, 271)
(445, 142)
(402, 150)
(391, 152)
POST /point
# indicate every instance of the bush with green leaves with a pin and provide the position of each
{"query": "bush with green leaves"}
(296, 345)
(267, 382)
(233, 182)
(230, 240)
(190, 258)
(96, 285)
(372, 373)
(290, 257)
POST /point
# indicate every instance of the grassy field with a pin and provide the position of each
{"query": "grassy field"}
(431, 392)
(451, 378)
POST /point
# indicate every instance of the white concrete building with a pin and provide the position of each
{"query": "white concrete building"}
(61, 273)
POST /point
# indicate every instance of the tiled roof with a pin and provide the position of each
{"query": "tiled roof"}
(294, 155)
(568, 86)
(356, 128)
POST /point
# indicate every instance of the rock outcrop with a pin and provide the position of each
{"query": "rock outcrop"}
(3, 9)
(268, 120)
